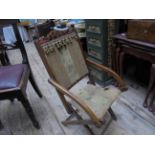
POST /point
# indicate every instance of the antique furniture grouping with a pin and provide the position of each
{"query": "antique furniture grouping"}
(14, 78)
(142, 50)
(62, 56)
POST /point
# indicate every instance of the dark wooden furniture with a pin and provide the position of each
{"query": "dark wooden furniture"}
(142, 30)
(14, 78)
(1, 125)
(3, 55)
(138, 49)
(151, 88)
(63, 59)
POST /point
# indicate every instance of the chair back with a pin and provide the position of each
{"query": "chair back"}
(19, 43)
(63, 58)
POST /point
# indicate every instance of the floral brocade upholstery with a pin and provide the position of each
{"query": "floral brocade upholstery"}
(98, 99)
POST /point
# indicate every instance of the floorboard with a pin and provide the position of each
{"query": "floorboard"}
(132, 117)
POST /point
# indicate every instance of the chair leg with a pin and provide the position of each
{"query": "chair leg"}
(121, 61)
(112, 114)
(151, 106)
(1, 125)
(75, 122)
(32, 80)
(12, 100)
(150, 87)
(86, 126)
(29, 111)
(153, 109)
(75, 114)
(2, 59)
(7, 58)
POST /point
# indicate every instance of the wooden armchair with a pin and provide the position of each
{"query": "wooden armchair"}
(62, 55)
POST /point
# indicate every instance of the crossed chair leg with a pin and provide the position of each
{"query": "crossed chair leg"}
(79, 120)
(86, 123)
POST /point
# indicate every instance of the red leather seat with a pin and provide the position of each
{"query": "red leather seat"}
(10, 76)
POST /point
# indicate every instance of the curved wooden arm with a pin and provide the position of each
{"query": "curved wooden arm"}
(122, 86)
(80, 102)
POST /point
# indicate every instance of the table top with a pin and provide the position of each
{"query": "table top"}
(123, 37)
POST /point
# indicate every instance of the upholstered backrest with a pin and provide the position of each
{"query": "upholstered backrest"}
(63, 58)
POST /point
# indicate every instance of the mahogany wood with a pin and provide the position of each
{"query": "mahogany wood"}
(138, 49)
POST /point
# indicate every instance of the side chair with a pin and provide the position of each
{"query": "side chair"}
(14, 78)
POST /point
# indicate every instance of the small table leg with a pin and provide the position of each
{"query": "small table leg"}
(1, 125)
(117, 55)
(151, 85)
(121, 61)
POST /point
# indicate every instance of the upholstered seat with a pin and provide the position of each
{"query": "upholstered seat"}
(98, 99)
(10, 76)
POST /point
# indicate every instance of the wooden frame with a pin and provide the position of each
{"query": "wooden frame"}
(138, 49)
(62, 92)
(121, 85)
(81, 103)
(19, 92)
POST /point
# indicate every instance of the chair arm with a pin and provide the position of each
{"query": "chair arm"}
(79, 101)
(122, 86)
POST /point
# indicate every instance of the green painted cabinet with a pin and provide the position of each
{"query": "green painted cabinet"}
(99, 34)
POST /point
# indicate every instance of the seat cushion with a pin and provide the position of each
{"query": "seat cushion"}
(10, 76)
(98, 99)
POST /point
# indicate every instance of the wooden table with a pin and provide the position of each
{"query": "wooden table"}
(138, 49)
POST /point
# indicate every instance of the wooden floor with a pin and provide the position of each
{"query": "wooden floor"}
(132, 117)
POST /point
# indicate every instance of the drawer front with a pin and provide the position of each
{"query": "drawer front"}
(95, 25)
(98, 54)
(97, 74)
(94, 29)
(95, 40)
